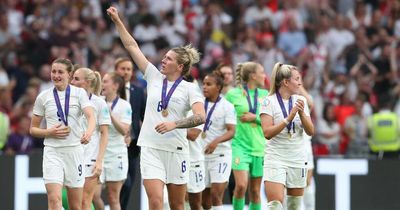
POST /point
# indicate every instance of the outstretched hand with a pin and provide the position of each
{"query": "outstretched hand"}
(113, 13)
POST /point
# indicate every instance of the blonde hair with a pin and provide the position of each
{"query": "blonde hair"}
(243, 71)
(94, 79)
(279, 73)
(186, 55)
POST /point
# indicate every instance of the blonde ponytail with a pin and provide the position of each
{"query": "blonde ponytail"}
(279, 73)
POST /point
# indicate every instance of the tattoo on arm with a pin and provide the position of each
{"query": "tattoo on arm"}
(190, 122)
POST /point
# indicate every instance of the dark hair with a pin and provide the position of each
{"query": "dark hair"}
(121, 84)
(66, 62)
(325, 112)
(219, 78)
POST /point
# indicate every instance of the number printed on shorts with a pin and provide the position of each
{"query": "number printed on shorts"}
(199, 176)
(183, 166)
(222, 167)
(80, 170)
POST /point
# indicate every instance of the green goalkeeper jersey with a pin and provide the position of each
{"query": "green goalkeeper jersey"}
(249, 136)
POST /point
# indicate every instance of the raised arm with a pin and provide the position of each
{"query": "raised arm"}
(128, 41)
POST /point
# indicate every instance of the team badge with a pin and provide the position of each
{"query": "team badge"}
(237, 161)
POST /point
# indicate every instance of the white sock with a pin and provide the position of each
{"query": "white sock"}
(187, 205)
(217, 208)
(275, 205)
(309, 196)
(293, 202)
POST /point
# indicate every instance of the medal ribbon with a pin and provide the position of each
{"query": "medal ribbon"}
(285, 114)
(60, 112)
(114, 103)
(166, 97)
(207, 123)
(252, 109)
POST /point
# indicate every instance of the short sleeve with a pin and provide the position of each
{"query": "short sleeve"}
(126, 115)
(104, 114)
(84, 99)
(266, 106)
(230, 114)
(38, 107)
(194, 94)
(151, 72)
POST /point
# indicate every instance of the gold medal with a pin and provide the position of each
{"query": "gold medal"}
(68, 129)
(203, 135)
(290, 135)
(164, 113)
(253, 125)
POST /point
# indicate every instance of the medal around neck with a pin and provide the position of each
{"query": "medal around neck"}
(63, 115)
(165, 97)
(203, 135)
(164, 113)
(208, 122)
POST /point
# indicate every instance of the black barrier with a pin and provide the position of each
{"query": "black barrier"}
(341, 184)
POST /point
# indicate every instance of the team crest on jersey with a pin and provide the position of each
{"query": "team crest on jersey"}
(237, 161)
(265, 102)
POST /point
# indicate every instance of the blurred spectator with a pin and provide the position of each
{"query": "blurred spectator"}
(292, 41)
(257, 12)
(227, 71)
(173, 29)
(328, 130)
(146, 33)
(20, 141)
(338, 38)
(357, 129)
(360, 16)
(4, 119)
(268, 54)
(387, 69)
(15, 17)
(44, 75)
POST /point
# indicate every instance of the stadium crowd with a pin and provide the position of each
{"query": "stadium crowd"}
(347, 50)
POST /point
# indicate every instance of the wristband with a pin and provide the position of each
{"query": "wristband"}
(285, 121)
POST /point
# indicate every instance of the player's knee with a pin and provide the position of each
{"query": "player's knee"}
(177, 203)
(254, 193)
(155, 203)
(54, 201)
(74, 206)
(240, 188)
(113, 198)
(216, 199)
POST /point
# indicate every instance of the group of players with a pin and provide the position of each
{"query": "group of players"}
(184, 152)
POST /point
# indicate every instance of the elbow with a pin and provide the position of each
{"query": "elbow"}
(31, 131)
(267, 134)
(202, 119)
(310, 131)
(191, 138)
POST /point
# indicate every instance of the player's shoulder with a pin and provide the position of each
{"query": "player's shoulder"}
(262, 92)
